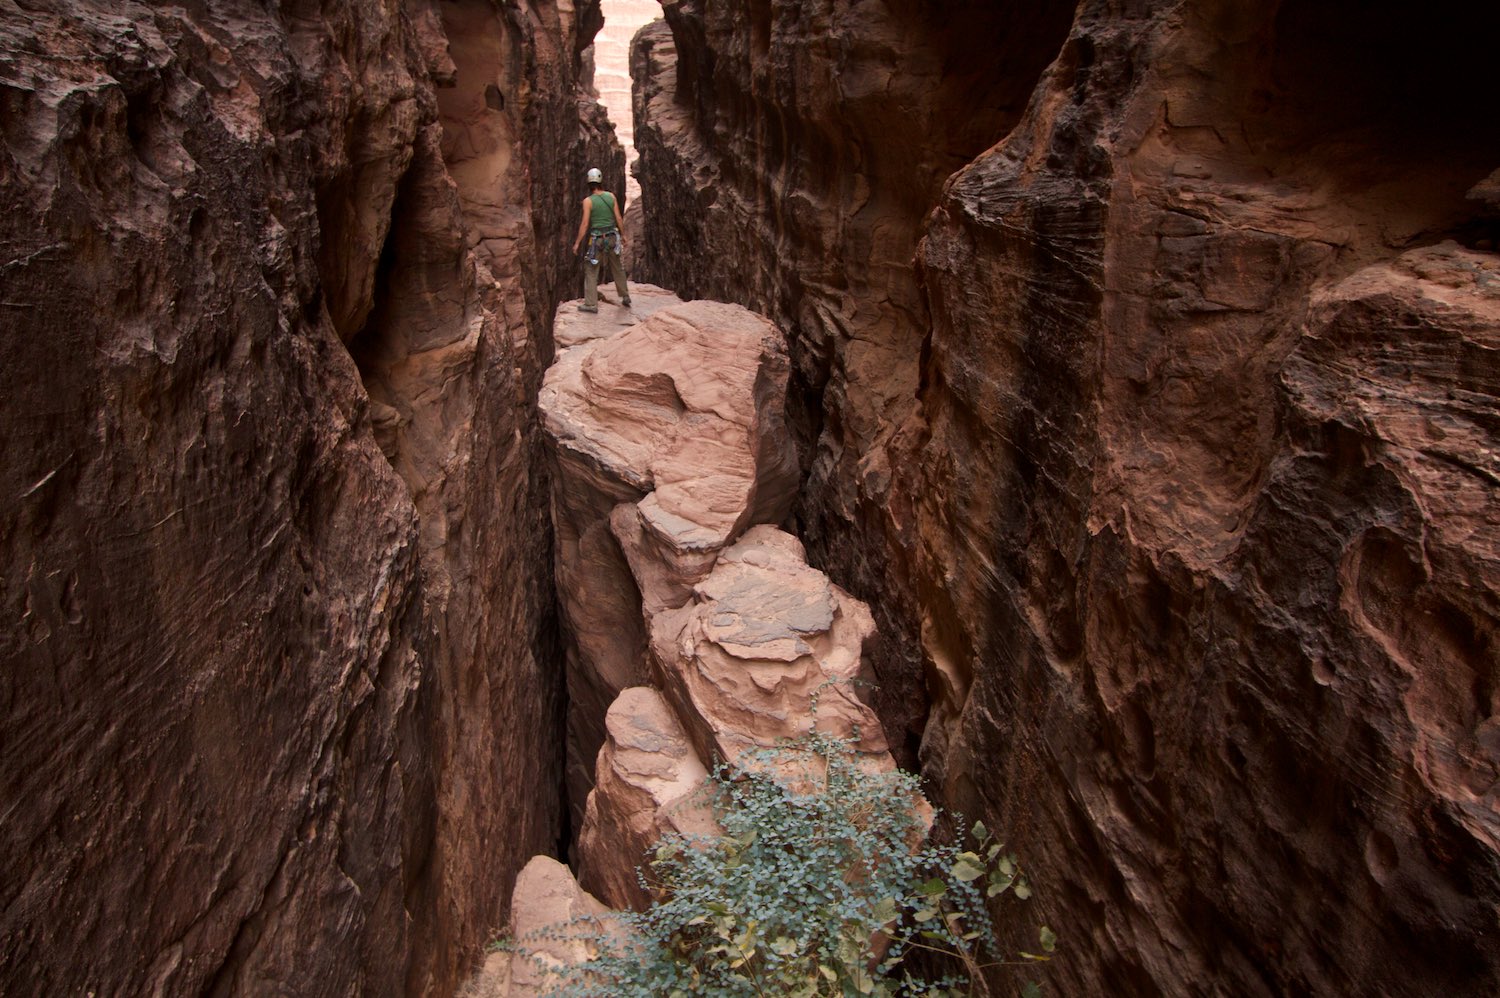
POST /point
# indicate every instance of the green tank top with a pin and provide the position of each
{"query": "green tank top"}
(602, 210)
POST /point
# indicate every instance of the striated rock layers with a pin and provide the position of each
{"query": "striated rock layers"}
(791, 153)
(767, 649)
(276, 294)
(1143, 392)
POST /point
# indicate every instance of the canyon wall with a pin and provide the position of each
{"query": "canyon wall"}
(280, 702)
(1144, 369)
(622, 19)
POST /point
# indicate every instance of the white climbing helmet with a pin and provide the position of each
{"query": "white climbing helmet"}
(595, 177)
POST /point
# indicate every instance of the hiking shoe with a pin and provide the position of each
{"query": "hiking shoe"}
(625, 302)
(588, 308)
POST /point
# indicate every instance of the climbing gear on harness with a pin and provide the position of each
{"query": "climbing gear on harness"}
(602, 240)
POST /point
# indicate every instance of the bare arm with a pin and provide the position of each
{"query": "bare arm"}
(619, 222)
(583, 225)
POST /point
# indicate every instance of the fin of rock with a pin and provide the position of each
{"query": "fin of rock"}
(669, 439)
(697, 630)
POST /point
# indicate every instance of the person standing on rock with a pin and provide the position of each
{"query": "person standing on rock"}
(604, 228)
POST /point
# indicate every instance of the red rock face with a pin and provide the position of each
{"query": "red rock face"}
(793, 154)
(1159, 436)
(279, 617)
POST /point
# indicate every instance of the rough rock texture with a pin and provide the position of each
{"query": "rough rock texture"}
(1168, 468)
(768, 649)
(792, 152)
(749, 647)
(669, 439)
(278, 622)
(546, 897)
(572, 326)
(648, 782)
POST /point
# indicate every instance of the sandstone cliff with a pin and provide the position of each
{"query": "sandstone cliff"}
(277, 291)
(1144, 399)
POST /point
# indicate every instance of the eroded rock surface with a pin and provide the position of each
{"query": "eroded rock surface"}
(791, 157)
(1171, 509)
(573, 326)
(750, 647)
(768, 649)
(278, 619)
(670, 446)
(649, 781)
(548, 911)
(669, 439)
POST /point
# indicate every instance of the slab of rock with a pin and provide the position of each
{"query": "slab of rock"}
(650, 782)
(679, 420)
(573, 326)
(768, 649)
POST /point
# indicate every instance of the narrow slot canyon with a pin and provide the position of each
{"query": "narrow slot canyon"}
(1088, 408)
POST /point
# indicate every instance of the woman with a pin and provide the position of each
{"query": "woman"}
(602, 224)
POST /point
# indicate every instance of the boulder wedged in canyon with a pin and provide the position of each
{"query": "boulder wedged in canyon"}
(767, 650)
(279, 621)
(1166, 503)
(668, 439)
(751, 648)
(649, 781)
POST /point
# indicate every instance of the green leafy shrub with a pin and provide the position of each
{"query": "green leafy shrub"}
(825, 884)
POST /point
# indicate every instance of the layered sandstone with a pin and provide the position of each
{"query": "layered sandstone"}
(279, 624)
(549, 916)
(649, 782)
(668, 440)
(1158, 435)
(767, 650)
(791, 156)
(749, 647)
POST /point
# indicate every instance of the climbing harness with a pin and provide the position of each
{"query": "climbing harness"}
(602, 241)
